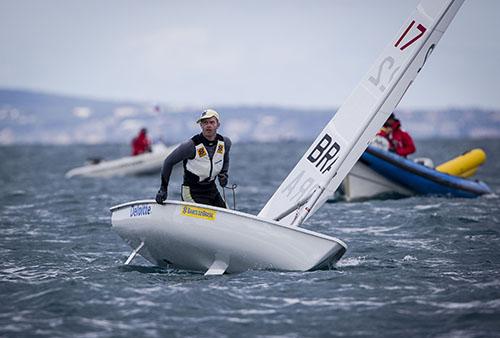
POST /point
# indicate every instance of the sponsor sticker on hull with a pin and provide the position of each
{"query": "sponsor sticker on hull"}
(197, 212)
(140, 210)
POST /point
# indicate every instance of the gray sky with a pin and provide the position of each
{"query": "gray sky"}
(208, 53)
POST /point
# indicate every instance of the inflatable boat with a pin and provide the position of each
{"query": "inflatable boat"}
(143, 164)
(382, 172)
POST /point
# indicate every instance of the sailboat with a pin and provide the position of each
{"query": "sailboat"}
(214, 241)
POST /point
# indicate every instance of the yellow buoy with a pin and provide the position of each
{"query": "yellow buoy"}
(464, 165)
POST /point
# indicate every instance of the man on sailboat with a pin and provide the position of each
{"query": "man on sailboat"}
(205, 157)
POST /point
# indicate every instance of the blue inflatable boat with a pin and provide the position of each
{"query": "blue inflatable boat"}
(418, 178)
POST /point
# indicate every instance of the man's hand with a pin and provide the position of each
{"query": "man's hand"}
(222, 180)
(161, 196)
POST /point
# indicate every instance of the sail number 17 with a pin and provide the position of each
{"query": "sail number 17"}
(386, 69)
(421, 30)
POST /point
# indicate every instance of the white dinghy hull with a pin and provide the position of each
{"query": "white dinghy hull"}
(147, 163)
(214, 240)
(363, 182)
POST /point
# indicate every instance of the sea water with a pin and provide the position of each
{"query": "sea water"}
(418, 266)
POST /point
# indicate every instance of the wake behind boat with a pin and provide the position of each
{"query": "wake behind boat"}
(146, 163)
(213, 240)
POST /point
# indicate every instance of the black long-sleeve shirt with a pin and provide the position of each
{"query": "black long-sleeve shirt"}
(187, 150)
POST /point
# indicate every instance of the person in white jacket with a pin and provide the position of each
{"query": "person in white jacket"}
(205, 157)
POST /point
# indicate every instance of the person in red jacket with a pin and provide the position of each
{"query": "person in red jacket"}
(400, 141)
(141, 143)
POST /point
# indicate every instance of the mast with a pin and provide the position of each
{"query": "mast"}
(337, 148)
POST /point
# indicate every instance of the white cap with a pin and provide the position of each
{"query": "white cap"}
(208, 114)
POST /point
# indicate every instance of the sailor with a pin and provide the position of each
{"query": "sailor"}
(205, 157)
(400, 141)
(141, 143)
(394, 139)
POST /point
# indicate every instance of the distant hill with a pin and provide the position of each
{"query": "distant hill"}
(32, 117)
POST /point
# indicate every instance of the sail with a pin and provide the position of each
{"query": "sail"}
(337, 148)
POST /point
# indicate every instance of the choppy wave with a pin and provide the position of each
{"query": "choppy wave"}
(419, 266)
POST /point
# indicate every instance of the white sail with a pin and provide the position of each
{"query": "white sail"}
(337, 148)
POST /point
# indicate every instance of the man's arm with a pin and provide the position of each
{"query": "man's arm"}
(183, 151)
(408, 145)
(223, 175)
